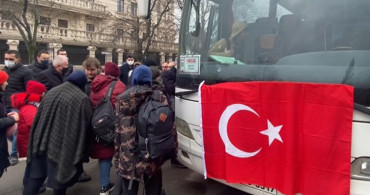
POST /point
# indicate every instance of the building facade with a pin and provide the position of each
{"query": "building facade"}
(105, 29)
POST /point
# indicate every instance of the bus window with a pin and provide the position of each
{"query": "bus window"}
(296, 45)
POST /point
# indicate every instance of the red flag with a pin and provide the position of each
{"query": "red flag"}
(295, 137)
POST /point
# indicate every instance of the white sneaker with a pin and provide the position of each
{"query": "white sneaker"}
(107, 190)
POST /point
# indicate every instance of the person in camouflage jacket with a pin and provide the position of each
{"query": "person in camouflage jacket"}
(128, 105)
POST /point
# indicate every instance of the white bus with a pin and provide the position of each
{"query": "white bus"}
(320, 41)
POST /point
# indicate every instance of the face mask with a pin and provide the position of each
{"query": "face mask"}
(44, 63)
(9, 64)
(130, 62)
(64, 70)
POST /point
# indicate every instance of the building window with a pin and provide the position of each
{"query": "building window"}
(134, 9)
(45, 20)
(120, 6)
(90, 27)
(62, 23)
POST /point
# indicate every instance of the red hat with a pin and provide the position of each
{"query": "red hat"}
(3, 77)
(111, 69)
(35, 87)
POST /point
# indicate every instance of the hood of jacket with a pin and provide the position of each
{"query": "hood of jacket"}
(129, 102)
(20, 99)
(100, 81)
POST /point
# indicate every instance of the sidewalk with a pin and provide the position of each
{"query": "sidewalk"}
(11, 181)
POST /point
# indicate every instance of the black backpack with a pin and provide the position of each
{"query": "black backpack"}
(154, 128)
(104, 119)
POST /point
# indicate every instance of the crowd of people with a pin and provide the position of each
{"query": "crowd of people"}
(46, 110)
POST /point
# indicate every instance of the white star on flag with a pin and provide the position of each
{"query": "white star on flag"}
(272, 132)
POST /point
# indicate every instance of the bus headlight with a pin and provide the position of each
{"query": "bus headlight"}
(360, 169)
(183, 128)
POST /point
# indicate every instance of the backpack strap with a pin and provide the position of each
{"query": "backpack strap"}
(110, 90)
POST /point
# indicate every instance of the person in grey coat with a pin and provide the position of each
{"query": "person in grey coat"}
(58, 136)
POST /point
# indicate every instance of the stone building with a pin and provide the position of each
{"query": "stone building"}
(99, 28)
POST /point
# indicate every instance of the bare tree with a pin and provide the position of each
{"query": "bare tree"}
(21, 13)
(180, 4)
(145, 33)
(26, 16)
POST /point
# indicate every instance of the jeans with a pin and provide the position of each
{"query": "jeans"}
(14, 150)
(105, 165)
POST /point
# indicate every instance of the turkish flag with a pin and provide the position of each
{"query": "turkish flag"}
(294, 137)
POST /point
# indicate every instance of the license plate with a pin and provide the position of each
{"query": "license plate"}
(265, 190)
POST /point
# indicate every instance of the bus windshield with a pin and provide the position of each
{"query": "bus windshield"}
(320, 41)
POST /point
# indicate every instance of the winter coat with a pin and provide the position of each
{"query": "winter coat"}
(125, 69)
(50, 78)
(69, 71)
(169, 81)
(5, 123)
(19, 75)
(88, 88)
(128, 105)
(27, 104)
(99, 88)
(36, 68)
(65, 116)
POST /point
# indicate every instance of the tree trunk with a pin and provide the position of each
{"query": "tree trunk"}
(31, 51)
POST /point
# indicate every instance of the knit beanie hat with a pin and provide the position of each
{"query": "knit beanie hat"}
(35, 87)
(149, 62)
(78, 78)
(142, 75)
(3, 77)
(111, 69)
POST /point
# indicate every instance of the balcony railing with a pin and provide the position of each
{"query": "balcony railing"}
(7, 25)
(47, 33)
(84, 4)
(73, 5)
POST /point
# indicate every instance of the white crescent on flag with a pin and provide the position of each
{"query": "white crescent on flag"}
(222, 127)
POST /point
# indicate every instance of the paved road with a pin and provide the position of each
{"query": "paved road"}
(176, 182)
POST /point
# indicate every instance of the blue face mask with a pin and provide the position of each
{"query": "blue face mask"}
(44, 63)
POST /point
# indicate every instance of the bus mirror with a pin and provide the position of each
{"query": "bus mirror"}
(143, 9)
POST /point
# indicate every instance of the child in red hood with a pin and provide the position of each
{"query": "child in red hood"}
(27, 104)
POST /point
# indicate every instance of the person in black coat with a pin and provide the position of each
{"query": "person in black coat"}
(55, 74)
(63, 52)
(19, 75)
(126, 68)
(169, 82)
(6, 121)
(41, 63)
